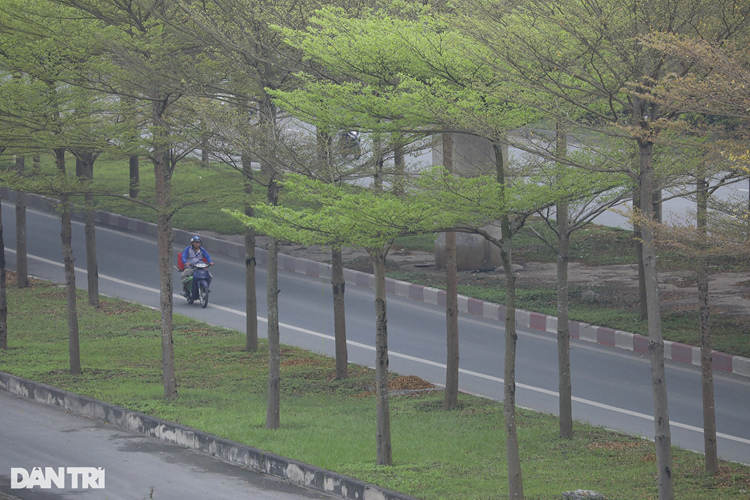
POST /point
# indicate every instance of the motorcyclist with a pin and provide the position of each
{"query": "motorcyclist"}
(193, 254)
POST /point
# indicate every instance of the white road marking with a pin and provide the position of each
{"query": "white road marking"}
(499, 380)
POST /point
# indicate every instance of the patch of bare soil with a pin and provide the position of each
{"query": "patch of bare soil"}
(408, 383)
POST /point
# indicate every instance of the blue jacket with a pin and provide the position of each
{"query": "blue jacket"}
(186, 255)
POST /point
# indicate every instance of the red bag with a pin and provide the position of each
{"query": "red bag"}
(180, 264)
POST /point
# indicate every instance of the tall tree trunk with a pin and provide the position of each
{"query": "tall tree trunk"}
(274, 353)
(450, 398)
(205, 146)
(338, 286)
(515, 478)
(22, 273)
(383, 433)
(663, 438)
(399, 168)
(563, 331)
(707, 374)
(66, 234)
(638, 238)
(134, 183)
(92, 266)
(164, 244)
(164, 235)
(327, 171)
(251, 300)
(80, 167)
(377, 180)
(204, 153)
(656, 200)
(3, 289)
(563, 334)
(135, 176)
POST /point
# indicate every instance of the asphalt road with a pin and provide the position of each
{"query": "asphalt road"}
(611, 387)
(135, 467)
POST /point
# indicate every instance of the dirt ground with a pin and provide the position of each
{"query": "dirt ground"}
(730, 292)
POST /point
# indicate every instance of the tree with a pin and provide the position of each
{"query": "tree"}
(388, 71)
(588, 54)
(716, 87)
(57, 116)
(261, 64)
(568, 217)
(409, 77)
(371, 219)
(239, 30)
(156, 66)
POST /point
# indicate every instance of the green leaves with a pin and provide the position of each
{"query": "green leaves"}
(362, 218)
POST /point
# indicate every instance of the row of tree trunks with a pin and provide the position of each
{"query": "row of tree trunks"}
(22, 280)
(70, 273)
(450, 398)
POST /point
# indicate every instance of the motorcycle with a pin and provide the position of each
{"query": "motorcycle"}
(199, 286)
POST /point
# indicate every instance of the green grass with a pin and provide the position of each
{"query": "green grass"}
(423, 242)
(437, 455)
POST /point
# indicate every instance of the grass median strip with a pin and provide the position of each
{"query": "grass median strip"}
(329, 423)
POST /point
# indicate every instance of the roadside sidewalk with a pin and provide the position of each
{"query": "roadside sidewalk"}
(674, 351)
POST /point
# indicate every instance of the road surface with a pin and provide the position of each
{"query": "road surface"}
(135, 467)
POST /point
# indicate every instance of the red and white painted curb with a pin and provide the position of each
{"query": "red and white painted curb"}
(674, 351)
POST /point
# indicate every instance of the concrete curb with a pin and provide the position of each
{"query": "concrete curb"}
(295, 472)
(526, 319)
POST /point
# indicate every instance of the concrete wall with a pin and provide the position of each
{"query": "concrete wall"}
(472, 156)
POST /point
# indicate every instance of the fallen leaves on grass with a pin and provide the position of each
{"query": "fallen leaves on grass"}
(11, 279)
(111, 308)
(728, 477)
(407, 383)
(301, 362)
(614, 445)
